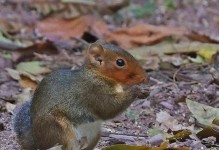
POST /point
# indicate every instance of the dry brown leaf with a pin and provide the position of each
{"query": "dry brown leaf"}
(163, 146)
(25, 79)
(70, 9)
(99, 28)
(142, 34)
(46, 47)
(9, 26)
(202, 37)
(62, 28)
(148, 40)
(167, 48)
(27, 82)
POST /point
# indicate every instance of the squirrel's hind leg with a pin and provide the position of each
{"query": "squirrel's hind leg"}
(52, 130)
(22, 126)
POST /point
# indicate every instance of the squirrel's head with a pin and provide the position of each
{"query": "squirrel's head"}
(115, 63)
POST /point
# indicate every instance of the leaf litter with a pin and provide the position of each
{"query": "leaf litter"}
(37, 38)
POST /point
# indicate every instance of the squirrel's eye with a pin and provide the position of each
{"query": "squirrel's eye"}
(120, 62)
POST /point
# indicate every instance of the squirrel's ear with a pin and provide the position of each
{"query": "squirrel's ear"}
(95, 53)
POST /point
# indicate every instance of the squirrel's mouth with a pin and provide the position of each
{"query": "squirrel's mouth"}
(137, 80)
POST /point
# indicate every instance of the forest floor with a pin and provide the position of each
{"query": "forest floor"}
(176, 42)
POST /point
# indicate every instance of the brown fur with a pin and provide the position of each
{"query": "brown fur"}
(66, 100)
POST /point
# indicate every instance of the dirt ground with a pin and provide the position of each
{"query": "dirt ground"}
(131, 127)
(162, 110)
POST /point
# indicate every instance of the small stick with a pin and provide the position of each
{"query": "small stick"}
(8, 46)
(81, 40)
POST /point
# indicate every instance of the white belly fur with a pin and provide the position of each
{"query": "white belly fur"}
(119, 88)
(89, 131)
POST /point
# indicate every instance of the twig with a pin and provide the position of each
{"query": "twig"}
(164, 76)
(176, 72)
(7, 99)
(81, 41)
(155, 80)
(106, 134)
(8, 46)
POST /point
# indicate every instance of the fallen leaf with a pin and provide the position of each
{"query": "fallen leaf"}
(58, 147)
(126, 147)
(14, 74)
(168, 48)
(143, 34)
(28, 82)
(63, 29)
(197, 59)
(180, 135)
(10, 107)
(175, 60)
(168, 121)
(25, 79)
(207, 54)
(24, 95)
(155, 131)
(7, 25)
(203, 113)
(150, 63)
(46, 47)
(99, 28)
(207, 132)
(65, 8)
(203, 37)
(163, 146)
(32, 67)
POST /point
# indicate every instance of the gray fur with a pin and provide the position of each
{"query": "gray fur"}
(22, 126)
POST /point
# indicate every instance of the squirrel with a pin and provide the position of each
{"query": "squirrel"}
(69, 106)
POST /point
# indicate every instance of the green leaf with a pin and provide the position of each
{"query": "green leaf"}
(4, 39)
(181, 135)
(153, 132)
(130, 114)
(207, 132)
(6, 55)
(203, 113)
(33, 67)
(145, 10)
(170, 4)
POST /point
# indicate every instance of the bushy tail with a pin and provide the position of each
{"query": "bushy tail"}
(22, 126)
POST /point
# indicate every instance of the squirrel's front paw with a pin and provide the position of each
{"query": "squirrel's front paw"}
(139, 92)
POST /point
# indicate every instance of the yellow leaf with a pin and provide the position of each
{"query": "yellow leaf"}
(163, 146)
(127, 147)
(207, 54)
(181, 135)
